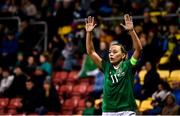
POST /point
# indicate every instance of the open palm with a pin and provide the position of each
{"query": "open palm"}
(90, 24)
(128, 22)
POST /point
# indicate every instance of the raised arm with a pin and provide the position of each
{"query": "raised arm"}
(90, 24)
(136, 42)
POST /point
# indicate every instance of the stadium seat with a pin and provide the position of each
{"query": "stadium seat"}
(60, 77)
(61, 100)
(69, 105)
(2, 111)
(164, 74)
(67, 112)
(4, 102)
(89, 89)
(64, 30)
(92, 80)
(142, 74)
(179, 57)
(146, 104)
(175, 75)
(138, 102)
(15, 103)
(3, 105)
(81, 105)
(12, 112)
(87, 80)
(65, 90)
(84, 80)
(79, 90)
(72, 77)
(62, 90)
(76, 98)
(164, 60)
(51, 113)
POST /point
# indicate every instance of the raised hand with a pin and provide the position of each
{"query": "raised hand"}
(90, 24)
(128, 22)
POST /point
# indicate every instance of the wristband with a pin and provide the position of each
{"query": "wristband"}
(133, 60)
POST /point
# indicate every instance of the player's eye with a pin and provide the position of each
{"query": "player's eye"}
(115, 52)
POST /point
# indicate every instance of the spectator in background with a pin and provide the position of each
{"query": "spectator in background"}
(69, 53)
(29, 8)
(18, 86)
(156, 110)
(170, 108)
(45, 65)
(176, 91)
(160, 94)
(6, 81)
(38, 77)
(137, 87)
(158, 100)
(122, 37)
(44, 7)
(172, 47)
(105, 36)
(91, 70)
(36, 54)
(31, 98)
(27, 36)
(145, 52)
(1, 70)
(98, 84)
(31, 66)
(50, 99)
(8, 49)
(89, 110)
(78, 11)
(148, 24)
(103, 50)
(55, 48)
(153, 43)
(98, 106)
(151, 81)
(20, 61)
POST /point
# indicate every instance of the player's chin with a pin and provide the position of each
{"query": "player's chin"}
(112, 62)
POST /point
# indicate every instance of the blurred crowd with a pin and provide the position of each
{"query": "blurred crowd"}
(27, 71)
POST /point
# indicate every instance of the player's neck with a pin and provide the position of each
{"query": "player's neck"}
(116, 66)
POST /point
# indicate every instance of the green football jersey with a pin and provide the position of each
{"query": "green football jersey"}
(118, 87)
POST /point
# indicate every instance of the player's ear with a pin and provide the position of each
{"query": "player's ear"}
(124, 56)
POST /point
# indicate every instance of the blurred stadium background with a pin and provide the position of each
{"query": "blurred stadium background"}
(44, 68)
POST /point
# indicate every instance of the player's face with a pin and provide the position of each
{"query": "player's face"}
(115, 54)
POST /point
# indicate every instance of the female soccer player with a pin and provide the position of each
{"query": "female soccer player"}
(118, 96)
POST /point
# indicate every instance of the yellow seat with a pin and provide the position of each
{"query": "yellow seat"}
(175, 75)
(164, 74)
(145, 105)
(164, 60)
(177, 36)
(142, 74)
(179, 57)
(64, 30)
(157, 13)
(138, 103)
